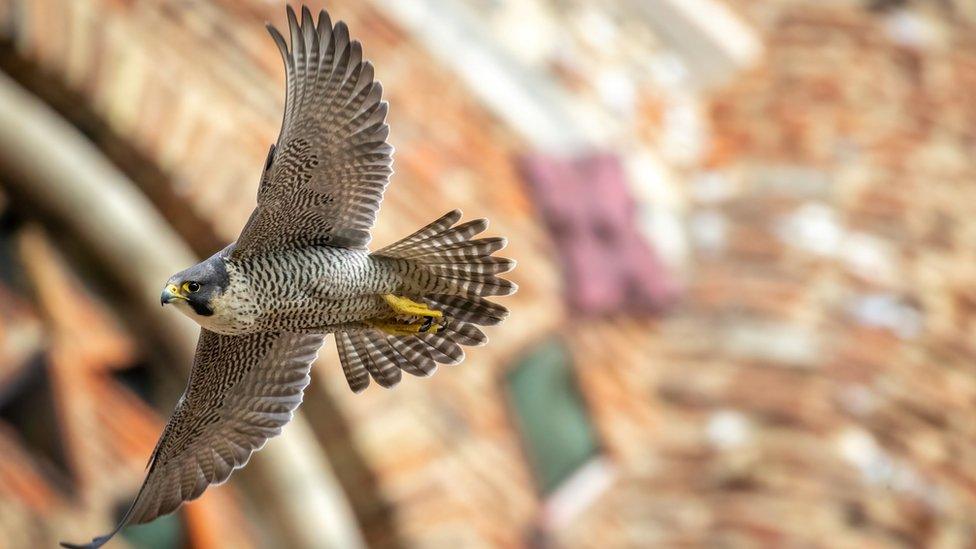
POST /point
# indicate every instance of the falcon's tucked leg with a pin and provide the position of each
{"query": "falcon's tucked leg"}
(403, 306)
(420, 319)
(394, 328)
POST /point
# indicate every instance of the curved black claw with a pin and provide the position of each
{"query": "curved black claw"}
(428, 322)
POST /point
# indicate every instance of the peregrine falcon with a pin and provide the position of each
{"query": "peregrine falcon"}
(301, 269)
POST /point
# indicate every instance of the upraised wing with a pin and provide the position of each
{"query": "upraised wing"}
(324, 178)
(242, 390)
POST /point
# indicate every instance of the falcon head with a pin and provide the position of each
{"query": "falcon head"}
(193, 290)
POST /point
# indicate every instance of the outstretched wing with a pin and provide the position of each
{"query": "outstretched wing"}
(325, 177)
(242, 390)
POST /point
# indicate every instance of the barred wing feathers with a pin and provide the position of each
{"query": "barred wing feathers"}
(325, 177)
(242, 391)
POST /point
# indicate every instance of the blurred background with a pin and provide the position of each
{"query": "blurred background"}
(746, 234)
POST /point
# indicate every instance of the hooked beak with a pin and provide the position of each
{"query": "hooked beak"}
(170, 293)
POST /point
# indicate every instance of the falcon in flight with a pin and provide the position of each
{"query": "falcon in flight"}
(301, 269)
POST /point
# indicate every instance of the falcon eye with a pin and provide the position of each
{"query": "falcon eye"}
(191, 287)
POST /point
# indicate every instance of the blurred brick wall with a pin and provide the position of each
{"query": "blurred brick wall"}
(817, 382)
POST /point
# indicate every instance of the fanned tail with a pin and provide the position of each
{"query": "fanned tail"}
(461, 273)
(463, 266)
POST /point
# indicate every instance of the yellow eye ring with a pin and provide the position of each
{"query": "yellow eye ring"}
(191, 287)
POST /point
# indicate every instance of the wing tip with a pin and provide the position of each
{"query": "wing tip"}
(279, 41)
(290, 13)
(298, 27)
(95, 542)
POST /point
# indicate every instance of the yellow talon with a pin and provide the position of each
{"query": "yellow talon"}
(407, 307)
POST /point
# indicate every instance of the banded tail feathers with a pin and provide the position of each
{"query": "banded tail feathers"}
(463, 274)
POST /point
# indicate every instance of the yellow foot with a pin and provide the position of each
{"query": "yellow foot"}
(403, 306)
(399, 329)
